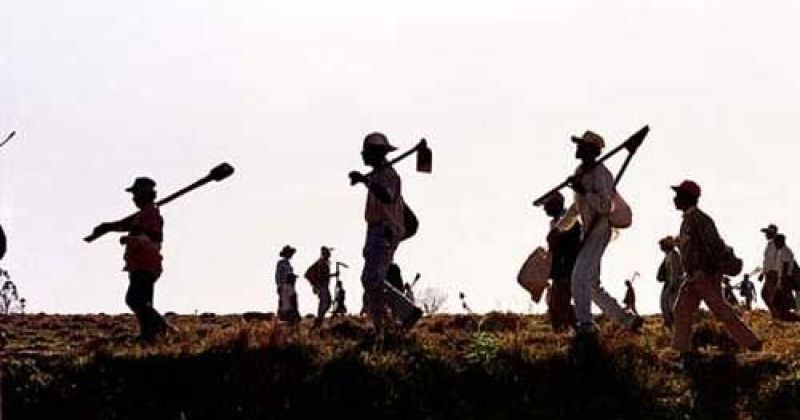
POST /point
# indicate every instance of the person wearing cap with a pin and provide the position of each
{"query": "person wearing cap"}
(385, 226)
(319, 275)
(769, 274)
(594, 189)
(285, 279)
(563, 246)
(747, 290)
(143, 260)
(783, 300)
(671, 274)
(702, 249)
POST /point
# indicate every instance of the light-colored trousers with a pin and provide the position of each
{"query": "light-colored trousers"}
(378, 254)
(586, 278)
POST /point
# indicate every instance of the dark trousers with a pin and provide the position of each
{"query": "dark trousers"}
(560, 309)
(140, 299)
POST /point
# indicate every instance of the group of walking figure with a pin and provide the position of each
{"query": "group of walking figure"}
(696, 268)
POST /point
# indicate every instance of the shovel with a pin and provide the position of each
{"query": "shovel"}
(631, 145)
(8, 139)
(424, 158)
(220, 172)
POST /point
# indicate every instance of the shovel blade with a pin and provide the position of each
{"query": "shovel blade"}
(424, 158)
(221, 172)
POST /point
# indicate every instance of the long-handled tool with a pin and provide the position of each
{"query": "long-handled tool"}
(8, 138)
(339, 265)
(424, 158)
(631, 145)
(219, 173)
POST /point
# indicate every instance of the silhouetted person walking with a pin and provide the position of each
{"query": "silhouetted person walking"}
(672, 275)
(285, 279)
(319, 275)
(145, 233)
(770, 271)
(748, 291)
(783, 297)
(563, 246)
(594, 190)
(630, 298)
(339, 307)
(385, 227)
(703, 251)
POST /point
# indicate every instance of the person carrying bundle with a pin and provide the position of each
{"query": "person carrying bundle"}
(319, 275)
(564, 246)
(706, 259)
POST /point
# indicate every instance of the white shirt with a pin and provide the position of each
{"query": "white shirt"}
(784, 256)
(771, 258)
(596, 203)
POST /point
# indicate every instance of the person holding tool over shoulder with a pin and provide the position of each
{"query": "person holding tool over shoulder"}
(145, 233)
(387, 225)
(595, 189)
(143, 246)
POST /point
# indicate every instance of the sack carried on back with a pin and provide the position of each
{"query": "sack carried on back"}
(729, 264)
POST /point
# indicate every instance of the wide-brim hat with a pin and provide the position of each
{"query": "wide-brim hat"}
(142, 184)
(590, 137)
(287, 251)
(689, 188)
(377, 140)
(770, 229)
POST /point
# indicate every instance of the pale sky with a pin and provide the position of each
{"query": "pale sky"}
(101, 92)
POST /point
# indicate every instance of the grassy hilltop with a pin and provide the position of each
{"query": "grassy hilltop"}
(501, 366)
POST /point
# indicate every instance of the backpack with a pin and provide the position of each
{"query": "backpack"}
(410, 222)
(728, 263)
(312, 274)
(794, 281)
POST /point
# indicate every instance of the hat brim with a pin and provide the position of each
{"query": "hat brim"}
(386, 148)
(137, 189)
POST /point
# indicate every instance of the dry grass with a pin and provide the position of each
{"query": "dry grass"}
(468, 367)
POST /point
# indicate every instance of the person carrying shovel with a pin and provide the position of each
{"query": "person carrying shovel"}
(319, 275)
(143, 260)
(386, 227)
(594, 188)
